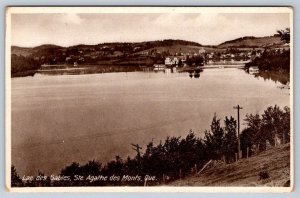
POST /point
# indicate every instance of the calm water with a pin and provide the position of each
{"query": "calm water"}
(60, 119)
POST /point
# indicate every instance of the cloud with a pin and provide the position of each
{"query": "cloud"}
(205, 28)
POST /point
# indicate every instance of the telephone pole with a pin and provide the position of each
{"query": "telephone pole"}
(137, 148)
(238, 107)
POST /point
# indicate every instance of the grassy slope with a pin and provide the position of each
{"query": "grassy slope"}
(175, 48)
(249, 42)
(24, 51)
(246, 171)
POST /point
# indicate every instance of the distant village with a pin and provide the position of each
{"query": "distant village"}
(152, 55)
(178, 59)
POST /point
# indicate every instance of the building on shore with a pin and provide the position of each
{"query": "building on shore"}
(159, 67)
(174, 60)
(169, 61)
(253, 70)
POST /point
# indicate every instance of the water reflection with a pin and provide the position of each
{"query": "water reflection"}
(276, 76)
(283, 78)
(195, 73)
(192, 72)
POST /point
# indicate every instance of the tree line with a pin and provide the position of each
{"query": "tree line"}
(270, 128)
(23, 66)
(177, 157)
(272, 60)
(276, 60)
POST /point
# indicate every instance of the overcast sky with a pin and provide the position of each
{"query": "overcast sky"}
(30, 30)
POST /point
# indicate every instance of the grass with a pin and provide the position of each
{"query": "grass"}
(245, 172)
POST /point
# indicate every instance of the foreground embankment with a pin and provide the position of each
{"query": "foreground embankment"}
(269, 168)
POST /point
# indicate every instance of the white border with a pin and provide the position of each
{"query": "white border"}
(27, 10)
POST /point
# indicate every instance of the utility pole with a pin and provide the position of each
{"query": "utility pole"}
(238, 107)
(137, 148)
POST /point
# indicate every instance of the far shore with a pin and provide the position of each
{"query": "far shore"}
(281, 76)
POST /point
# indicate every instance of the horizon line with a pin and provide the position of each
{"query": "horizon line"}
(131, 42)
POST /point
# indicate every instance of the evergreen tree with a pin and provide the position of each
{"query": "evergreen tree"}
(16, 181)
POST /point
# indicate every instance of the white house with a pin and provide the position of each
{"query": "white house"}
(168, 61)
(171, 61)
(210, 56)
(175, 61)
(201, 51)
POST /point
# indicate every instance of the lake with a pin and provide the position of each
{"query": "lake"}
(57, 120)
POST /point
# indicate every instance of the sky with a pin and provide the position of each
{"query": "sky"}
(29, 30)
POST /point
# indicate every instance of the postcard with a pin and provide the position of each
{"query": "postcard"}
(149, 99)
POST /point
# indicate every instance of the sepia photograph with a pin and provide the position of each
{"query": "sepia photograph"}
(149, 99)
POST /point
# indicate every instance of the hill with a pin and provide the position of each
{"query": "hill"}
(47, 47)
(117, 46)
(116, 54)
(275, 162)
(134, 54)
(250, 41)
(23, 51)
(137, 48)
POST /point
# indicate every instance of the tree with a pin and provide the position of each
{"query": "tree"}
(253, 122)
(284, 35)
(188, 152)
(214, 139)
(246, 139)
(16, 181)
(42, 180)
(70, 171)
(180, 63)
(276, 122)
(254, 132)
(195, 60)
(91, 168)
(286, 124)
(23, 66)
(271, 60)
(115, 167)
(230, 142)
(273, 125)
